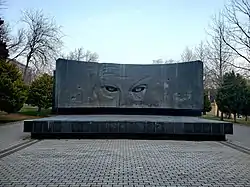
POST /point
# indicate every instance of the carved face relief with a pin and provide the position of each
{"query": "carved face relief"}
(118, 89)
(131, 86)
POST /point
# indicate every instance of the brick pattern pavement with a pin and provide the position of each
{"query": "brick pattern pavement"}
(125, 163)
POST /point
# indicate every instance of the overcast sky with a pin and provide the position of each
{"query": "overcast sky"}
(126, 31)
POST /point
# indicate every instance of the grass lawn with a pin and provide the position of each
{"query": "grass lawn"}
(32, 111)
(27, 112)
(239, 120)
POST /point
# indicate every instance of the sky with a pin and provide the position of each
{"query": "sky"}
(125, 31)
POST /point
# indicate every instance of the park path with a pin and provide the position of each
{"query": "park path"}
(11, 134)
(241, 135)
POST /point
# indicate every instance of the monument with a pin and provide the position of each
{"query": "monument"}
(104, 98)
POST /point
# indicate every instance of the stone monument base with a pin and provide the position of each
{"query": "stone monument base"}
(145, 126)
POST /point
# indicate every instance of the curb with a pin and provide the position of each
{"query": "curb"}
(237, 147)
(12, 146)
(17, 147)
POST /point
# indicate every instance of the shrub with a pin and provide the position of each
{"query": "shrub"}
(40, 92)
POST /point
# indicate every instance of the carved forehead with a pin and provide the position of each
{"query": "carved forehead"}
(124, 71)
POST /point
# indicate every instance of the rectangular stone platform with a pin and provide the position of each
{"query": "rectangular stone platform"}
(127, 124)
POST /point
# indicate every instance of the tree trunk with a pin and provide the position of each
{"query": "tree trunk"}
(39, 110)
(204, 113)
(238, 115)
(217, 112)
(235, 117)
(26, 66)
(221, 117)
(246, 118)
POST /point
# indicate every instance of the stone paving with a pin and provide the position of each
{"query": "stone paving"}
(11, 133)
(125, 163)
(241, 135)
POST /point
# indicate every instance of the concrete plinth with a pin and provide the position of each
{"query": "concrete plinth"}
(127, 124)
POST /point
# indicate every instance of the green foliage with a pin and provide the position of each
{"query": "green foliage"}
(207, 104)
(40, 92)
(32, 111)
(13, 92)
(246, 105)
(4, 52)
(231, 95)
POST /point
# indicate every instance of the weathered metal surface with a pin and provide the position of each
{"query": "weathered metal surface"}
(87, 84)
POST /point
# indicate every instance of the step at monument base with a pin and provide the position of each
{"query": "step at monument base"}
(127, 125)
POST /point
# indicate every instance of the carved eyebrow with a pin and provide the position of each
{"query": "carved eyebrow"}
(112, 85)
(137, 82)
(111, 70)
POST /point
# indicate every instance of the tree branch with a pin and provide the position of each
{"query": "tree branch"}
(235, 50)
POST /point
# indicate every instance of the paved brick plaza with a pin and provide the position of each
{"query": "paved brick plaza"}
(125, 163)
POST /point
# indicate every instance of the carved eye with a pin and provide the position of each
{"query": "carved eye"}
(111, 88)
(139, 88)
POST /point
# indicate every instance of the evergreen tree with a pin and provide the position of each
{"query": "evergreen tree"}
(207, 104)
(12, 89)
(40, 92)
(231, 94)
(246, 106)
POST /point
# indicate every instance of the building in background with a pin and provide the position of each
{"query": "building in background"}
(212, 97)
(30, 74)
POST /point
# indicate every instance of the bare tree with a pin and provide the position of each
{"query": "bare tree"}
(158, 61)
(3, 35)
(188, 55)
(201, 52)
(4, 53)
(220, 55)
(2, 4)
(237, 16)
(42, 39)
(81, 55)
(13, 42)
(161, 61)
(10, 41)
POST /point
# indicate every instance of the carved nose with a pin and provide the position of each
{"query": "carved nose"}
(123, 99)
